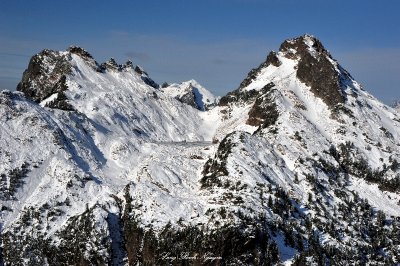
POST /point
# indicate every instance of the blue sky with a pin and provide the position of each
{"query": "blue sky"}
(215, 42)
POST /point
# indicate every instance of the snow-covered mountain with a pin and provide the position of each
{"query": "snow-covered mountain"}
(101, 166)
(192, 93)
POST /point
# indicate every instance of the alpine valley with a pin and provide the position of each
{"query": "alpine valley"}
(100, 165)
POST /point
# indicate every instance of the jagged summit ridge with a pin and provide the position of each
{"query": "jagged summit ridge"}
(74, 49)
(48, 71)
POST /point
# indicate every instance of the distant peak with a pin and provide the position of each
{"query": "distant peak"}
(191, 93)
(191, 83)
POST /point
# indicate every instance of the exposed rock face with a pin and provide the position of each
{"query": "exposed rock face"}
(191, 93)
(322, 78)
(150, 82)
(299, 46)
(316, 68)
(146, 78)
(61, 101)
(194, 98)
(190, 99)
(264, 112)
(82, 53)
(237, 96)
(110, 65)
(45, 75)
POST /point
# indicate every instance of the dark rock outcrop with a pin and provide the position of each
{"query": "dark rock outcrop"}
(81, 52)
(110, 65)
(194, 98)
(238, 96)
(44, 76)
(150, 82)
(298, 47)
(316, 69)
(263, 112)
(128, 65)
(322, 78)
(191, 93)
(190, 99)
(146, 78)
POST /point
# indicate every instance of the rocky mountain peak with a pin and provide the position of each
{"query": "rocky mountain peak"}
(298, 47)
(110, 65)
(315, 68)
(128, 65)
(45, 75)
(191, 93)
